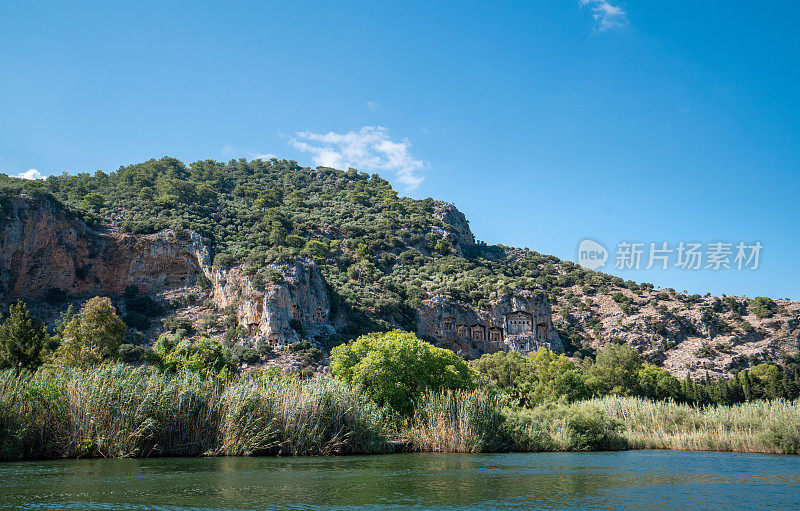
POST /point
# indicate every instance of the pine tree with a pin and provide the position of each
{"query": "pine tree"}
(747, 387)
(723, 392)
(688, 388)
(788, 386)
(22, 339)
(774, 389)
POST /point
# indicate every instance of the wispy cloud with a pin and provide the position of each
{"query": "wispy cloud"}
(230, 152)
(259, 156)
(368, 149)
(607, 15)
(31, 174)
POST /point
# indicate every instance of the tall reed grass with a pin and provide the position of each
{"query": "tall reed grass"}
(759, 426)
(118, 411)
(458, 421)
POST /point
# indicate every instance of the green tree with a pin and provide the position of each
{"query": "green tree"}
(23, 338)
(656, 383)
(552, 377)
(93, 335)
(616, 371)
(504, 368)
(396, 367)
(94, 201)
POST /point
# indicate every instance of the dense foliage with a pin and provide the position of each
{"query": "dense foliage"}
(380, 253)
(23, 340)
(396, 368)
(95, 334)
(543, 377)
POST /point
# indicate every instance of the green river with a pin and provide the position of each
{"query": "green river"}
(671, 480)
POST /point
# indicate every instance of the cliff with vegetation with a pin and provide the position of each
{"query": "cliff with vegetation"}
(268, 253)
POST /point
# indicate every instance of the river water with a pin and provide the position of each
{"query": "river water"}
(671, 480)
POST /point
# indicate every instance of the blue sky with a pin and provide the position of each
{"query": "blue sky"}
(546, 122)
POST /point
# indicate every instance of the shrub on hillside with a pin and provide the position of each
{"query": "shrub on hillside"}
(762, 306)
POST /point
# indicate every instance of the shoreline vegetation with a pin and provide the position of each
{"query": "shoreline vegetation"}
(67, 395)
(114, 410)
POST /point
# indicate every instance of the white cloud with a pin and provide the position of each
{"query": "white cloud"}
(368, 149)
(230, 152)
(606, 14)
(372, 105)
(31, 174)
(259, 156)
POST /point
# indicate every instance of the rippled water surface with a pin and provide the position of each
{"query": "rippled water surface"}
(625, 480)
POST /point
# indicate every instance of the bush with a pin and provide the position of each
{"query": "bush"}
(762, 307)
(135, 320)
(143, 305)
(131, 353)
(396, 368)
(203, 282)
(580, 426)
(263, 347)
(205, 357)
(173, 324)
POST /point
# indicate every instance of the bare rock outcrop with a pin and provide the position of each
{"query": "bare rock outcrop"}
(280, 303)
(460, 234)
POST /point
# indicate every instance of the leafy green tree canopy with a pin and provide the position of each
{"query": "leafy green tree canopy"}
(616, 371)
(542, 376)
(396, 367)
(93, 335)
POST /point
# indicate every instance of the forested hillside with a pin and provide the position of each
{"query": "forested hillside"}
(381, 254)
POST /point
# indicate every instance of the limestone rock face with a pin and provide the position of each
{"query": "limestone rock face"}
(460, 236)
(42, 247)
(519, 322)
(294, 305)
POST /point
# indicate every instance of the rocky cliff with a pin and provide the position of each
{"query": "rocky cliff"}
(459, 234)
(685, 334)
(280, 303)
(519, 321)
(42, 247)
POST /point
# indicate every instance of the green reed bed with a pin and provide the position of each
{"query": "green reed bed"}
(759, 426)
(265, 416)
(477, 422)
(118, 411)
(458, 421)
